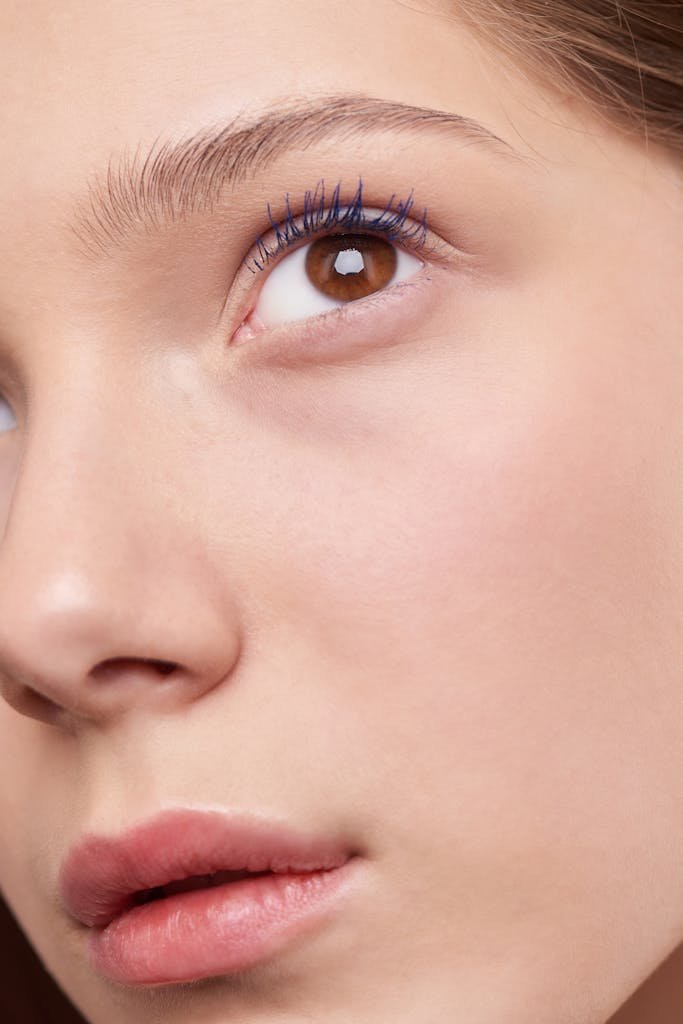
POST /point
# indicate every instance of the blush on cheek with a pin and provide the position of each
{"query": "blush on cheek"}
(491, 533)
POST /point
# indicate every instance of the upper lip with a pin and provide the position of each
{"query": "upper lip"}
(100, 876)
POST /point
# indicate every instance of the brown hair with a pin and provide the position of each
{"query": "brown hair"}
(626, 58)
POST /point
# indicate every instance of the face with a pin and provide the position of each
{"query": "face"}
(377, 536)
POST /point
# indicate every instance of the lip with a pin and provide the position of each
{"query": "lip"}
(206, 930)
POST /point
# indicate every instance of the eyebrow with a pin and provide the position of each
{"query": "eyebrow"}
(176, 178)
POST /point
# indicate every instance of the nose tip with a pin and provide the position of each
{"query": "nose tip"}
(100, 613)
(72, 648)
(91, 658)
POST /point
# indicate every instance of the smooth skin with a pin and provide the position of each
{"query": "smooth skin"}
(420, 570)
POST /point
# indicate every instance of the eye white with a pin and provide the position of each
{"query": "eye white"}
(8, 420)
(288, 294)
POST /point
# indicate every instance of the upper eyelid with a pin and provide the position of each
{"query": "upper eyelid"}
(318, 215)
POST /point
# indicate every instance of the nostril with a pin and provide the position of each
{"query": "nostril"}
(164, 668)
(117, 666)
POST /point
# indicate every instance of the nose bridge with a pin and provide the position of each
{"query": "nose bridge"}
(96, 565)
(75, 495)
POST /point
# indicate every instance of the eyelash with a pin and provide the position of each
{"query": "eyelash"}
(323, 215)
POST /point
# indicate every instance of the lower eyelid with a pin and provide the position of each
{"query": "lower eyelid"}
(344, 333)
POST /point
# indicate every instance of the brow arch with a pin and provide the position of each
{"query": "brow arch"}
(177, 177)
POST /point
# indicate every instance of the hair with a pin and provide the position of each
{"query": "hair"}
(625, 58)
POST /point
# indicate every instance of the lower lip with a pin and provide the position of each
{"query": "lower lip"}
(209, 932)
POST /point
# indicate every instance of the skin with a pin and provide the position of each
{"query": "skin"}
(423, 584)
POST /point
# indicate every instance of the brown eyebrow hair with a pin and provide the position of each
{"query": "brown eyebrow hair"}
(180, 177)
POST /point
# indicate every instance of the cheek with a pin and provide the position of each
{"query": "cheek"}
(487, 591)
(487, 581)
(507, 504)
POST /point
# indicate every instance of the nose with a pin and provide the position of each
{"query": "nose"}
(109, 596)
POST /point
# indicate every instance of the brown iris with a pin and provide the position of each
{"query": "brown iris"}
(348, 267)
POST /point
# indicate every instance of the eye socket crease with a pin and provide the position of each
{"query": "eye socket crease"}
(177, 178)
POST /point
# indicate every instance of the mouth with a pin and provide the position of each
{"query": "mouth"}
(196, 894)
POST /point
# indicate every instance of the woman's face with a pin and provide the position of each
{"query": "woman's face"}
(417, 561)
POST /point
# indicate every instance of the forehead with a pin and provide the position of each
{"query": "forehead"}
(83, 81)
(84, 85)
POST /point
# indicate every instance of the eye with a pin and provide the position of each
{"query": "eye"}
(7, 418)
(331, 272)
(329, 254)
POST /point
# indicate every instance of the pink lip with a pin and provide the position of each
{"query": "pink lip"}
(205, 931)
